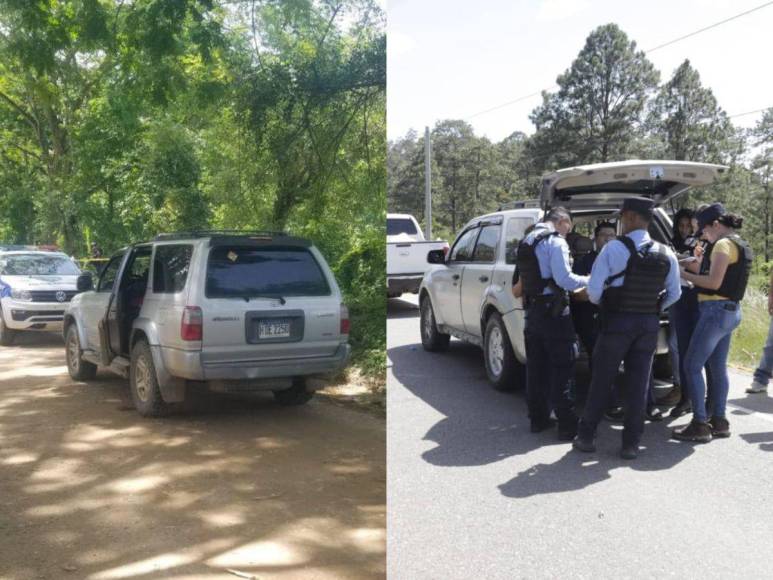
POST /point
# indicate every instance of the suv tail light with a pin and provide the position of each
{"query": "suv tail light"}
(192, 323)
(344, 319)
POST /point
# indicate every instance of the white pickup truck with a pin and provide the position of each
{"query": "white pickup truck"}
(406, 254)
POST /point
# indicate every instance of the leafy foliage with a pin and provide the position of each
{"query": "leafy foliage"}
(124, 119)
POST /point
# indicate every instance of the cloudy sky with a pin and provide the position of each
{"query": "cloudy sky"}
(456, 58)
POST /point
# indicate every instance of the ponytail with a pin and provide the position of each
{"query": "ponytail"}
(731, 220)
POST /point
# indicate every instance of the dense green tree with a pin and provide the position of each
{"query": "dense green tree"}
(686, 120)
(596, 114)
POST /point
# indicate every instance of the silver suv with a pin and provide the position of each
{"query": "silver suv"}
(226, 310)
(467, 294)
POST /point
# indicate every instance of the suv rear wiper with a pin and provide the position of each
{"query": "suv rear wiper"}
(247, 297)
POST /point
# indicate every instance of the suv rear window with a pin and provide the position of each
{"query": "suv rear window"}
(170, 268)
(245, 271)
(397, 226)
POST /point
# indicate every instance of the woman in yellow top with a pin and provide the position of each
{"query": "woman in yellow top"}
(719, 294)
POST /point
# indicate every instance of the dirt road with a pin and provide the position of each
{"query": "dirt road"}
(88, 489)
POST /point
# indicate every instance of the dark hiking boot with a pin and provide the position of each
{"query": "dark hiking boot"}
(720, 427)
(540, 425)
(629, 452)
(694, 431)
(653, 414)
(584, 445)
(681, 409)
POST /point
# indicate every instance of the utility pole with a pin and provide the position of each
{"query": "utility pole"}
(427, 185)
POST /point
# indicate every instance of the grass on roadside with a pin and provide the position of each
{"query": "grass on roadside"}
(749, 338)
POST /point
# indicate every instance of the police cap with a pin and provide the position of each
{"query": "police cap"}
(641, 205)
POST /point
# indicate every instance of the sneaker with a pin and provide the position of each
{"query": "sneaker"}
(681, 409)
(757, 388)
(720, 427)
(671, 398)
(615, 414)
(694, 431)
(584, 445)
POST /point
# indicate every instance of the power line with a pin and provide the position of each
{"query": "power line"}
(670, 42)
(748, 112)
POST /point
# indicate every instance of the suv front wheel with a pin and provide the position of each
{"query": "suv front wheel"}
(431, 338)
(143, 383)
(502, 368)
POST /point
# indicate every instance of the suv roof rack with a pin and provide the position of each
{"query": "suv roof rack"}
(529, 203)
(209, 233)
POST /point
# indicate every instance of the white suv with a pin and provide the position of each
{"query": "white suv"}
(229, 311)
(467, 294)
(35, 289)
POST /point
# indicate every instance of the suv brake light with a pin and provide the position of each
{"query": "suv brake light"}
(192, 323)
(344, 319)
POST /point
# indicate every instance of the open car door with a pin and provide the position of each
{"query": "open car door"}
(609, 184)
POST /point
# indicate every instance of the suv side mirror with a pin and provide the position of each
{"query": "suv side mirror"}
(85, 282)
(436, 257)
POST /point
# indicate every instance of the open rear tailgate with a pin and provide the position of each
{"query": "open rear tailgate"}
(608, 184)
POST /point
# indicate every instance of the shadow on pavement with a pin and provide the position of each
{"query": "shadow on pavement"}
(482, 426)
(757, 402)
(398, 308)
(577, 470)
(765, 440)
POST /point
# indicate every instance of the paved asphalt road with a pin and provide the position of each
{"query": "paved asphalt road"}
(472, 494)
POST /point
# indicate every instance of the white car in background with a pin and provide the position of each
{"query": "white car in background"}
(406, 254)
(36, 287)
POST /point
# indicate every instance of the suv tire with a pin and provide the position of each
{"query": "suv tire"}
(143, 383)
(502, 368)
(7, 335)
(79, 369)
(295, 395)
(431, 338)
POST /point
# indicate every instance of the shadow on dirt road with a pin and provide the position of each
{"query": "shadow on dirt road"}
(92, 490)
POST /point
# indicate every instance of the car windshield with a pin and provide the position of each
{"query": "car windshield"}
(37, 265)
(397, 226)
(275, 271)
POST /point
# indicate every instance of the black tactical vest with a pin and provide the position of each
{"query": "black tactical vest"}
(644, 283)
(737, 275)
(528, 266)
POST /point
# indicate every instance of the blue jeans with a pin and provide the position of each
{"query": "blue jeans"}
(764, 372)
(710, 345)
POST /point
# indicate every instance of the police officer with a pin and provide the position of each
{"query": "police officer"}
(633, 279)
(546, 276)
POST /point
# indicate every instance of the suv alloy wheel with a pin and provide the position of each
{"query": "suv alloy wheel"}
(431, 338)
(502, 368)
(79, 369)
(143, 383)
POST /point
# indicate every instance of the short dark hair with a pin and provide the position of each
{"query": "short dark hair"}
(603, 225)
(557, 214)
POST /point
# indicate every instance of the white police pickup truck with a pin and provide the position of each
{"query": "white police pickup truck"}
(35, 290)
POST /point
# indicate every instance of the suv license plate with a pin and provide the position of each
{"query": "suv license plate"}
(274, 329)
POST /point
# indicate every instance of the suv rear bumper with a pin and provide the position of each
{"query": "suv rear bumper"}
(188, 365)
